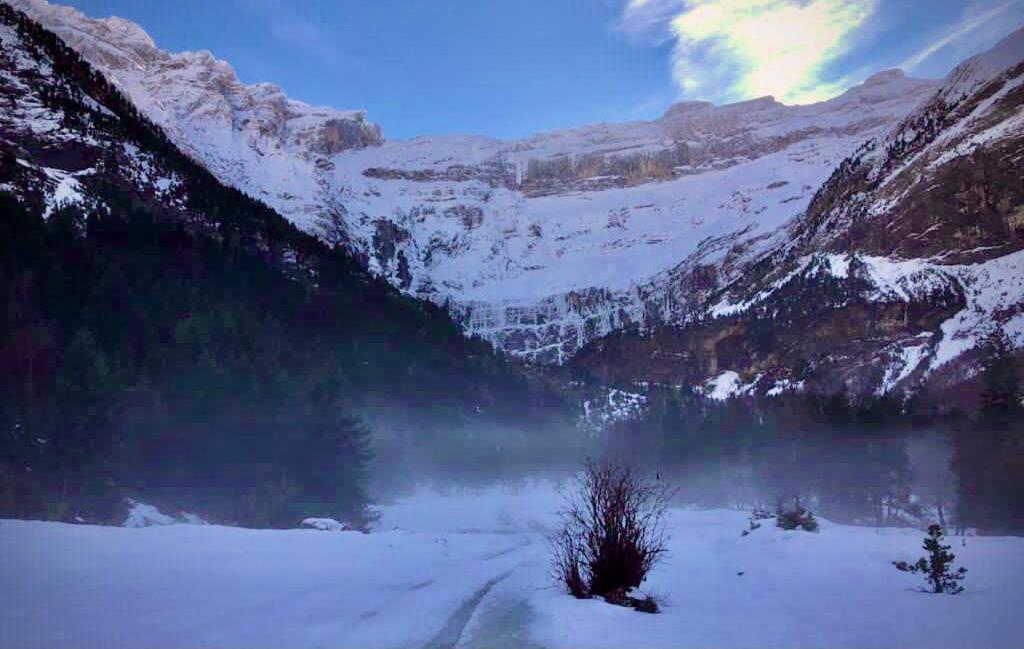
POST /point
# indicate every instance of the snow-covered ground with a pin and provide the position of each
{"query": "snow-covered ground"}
(469, 569)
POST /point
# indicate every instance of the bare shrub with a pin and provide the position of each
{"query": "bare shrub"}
(566, 563)
(613, 531)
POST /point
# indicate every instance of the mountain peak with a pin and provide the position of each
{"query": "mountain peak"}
(689, 108)
(885, 76)
(681, 108)
(191, 91)
(982, 68)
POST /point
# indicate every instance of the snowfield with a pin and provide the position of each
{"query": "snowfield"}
(469, 569)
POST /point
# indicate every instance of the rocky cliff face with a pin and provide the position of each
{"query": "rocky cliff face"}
(908, 255)
(543, 244)
(538, 245)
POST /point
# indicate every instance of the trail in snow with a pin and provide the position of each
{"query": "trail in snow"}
(504, 619)
(499, 614)
(208, 586)
(449, 636)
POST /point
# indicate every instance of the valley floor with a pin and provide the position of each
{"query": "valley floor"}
(470, 570)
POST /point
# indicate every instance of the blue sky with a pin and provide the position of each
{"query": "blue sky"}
(508, 69)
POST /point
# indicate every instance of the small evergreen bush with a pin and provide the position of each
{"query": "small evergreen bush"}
(797, 518)
(937, 566)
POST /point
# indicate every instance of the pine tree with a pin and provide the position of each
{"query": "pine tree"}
(989, 449)
(937, 567)
(1001, 392)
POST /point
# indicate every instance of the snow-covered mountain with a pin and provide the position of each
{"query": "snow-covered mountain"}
(903, 192)
(538, 245)
(910, 254)
(207, 112)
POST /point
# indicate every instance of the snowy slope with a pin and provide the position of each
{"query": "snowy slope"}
(470, 570)
(938, 203)
(207, 111)
(976, 110)
(538, 245)
(992, 290)
(908, 256)
(60, 151)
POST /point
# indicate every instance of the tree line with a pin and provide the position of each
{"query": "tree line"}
(852, 459)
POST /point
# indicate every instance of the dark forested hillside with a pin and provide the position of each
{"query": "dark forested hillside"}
(851, 461)
(164, 335)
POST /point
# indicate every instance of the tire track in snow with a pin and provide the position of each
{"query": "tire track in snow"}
(498, 615)
(449, 636)
(503, 620)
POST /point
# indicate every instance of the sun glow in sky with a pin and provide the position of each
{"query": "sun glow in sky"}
(794, 50)
(764, 46)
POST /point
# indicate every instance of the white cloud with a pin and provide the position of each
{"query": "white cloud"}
(963, 28)
(738, 49)
(646, 17)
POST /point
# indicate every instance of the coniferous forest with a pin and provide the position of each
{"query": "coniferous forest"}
(145, 358)
(207, 353)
